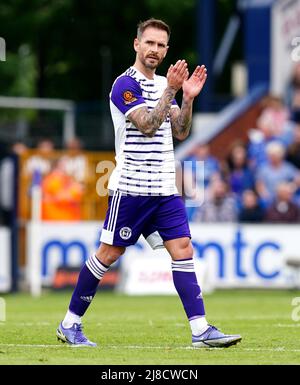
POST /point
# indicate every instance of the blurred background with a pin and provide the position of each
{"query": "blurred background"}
(58, 60)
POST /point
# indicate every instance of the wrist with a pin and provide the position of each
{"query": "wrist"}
(172, 90)
(187, 99)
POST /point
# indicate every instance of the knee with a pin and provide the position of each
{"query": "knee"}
(108, 254)
(184, 251)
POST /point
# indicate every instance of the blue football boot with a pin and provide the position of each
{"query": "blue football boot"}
(73, 335)
(213, 338)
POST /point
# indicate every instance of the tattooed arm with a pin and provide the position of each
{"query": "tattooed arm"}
(147, 121)
(181, 120)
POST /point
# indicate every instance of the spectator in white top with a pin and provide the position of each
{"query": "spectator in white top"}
(219, 206)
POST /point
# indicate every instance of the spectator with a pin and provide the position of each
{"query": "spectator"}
(219, 206)
(277, 170)
(61, 195)
(75, 161)
(293, 93)
(293, 151)
(283, 210)
(278, 114)
(197, 177)
(211, 165)
(41, 162)
(240, 177)
(266, 133)
(251, 211)
(8, 170)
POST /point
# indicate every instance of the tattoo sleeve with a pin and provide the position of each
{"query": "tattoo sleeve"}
(149, 121)
(181, 120)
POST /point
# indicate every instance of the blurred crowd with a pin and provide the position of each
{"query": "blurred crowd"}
(59, 178)
(260, 179)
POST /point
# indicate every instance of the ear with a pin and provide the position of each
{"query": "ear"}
(136, 44)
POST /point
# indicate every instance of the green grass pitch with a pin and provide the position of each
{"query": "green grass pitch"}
(152, 330)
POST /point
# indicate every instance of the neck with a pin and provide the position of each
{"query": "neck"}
(148, 72)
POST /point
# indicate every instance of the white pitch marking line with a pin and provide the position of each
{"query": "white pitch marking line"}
(279, 349)
(29, 346)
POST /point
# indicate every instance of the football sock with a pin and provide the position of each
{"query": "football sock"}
(188, 289)
(71, 319)
(87, 284)
(198, 325)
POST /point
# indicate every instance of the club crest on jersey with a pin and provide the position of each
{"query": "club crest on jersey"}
(125, 233)
(128, 97)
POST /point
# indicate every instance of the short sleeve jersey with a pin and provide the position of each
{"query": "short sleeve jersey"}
(145, 166)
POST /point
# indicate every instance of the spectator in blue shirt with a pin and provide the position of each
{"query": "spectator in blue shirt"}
(198, 171)
(274, 172)
(240, 176)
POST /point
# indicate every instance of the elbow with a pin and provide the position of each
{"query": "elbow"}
(181, 137)
(150, 134)
(147, 131)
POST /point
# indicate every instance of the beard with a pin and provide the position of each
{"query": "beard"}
(151, 63)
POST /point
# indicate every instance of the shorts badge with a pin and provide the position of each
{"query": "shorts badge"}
(125, 233)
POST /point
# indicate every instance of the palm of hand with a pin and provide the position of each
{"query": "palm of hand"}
(192, 87)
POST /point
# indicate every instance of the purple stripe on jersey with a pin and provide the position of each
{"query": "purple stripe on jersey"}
(143, 136)
(137, 130)
(147, 85)
(144, 143)
(143, 152)
(141, 179)
(143, 164)
(147, 172)
(135, 193)
(140, 185)
(148, 91)
(143, 160)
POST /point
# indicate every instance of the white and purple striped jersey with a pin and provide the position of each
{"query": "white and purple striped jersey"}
(145, 166)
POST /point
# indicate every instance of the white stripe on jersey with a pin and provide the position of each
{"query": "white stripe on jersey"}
(145, 166)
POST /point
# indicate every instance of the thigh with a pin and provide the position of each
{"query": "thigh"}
(169, 219)
(125, 218)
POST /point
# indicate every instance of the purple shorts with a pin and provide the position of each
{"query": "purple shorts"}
(129, 216)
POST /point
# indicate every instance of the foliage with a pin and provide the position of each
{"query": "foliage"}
(76, 48)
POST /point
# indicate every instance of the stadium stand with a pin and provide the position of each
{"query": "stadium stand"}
(260, 124)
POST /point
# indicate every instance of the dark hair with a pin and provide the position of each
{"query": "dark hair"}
(154, 23)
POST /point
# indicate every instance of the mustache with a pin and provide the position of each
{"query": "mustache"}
(153, 56)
